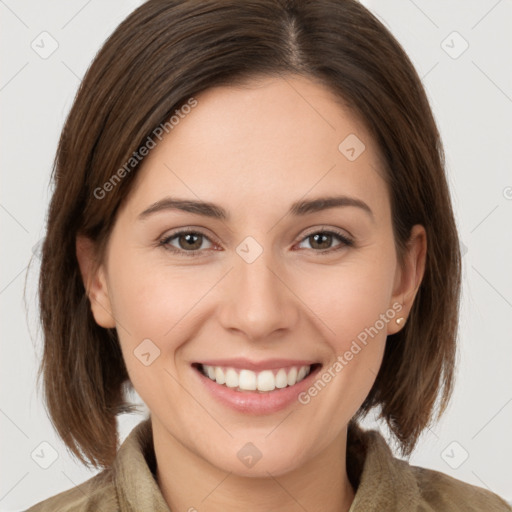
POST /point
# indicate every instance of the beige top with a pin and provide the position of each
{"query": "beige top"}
(382, 482)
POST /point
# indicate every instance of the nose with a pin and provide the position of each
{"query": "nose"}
(259, 302)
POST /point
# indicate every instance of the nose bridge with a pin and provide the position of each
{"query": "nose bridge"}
(259, 301)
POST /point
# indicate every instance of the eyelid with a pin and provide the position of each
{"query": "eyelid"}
(188, 229)
(327, 229)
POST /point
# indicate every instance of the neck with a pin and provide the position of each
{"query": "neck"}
(190, 483)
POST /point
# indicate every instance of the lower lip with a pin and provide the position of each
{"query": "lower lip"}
(250, 402)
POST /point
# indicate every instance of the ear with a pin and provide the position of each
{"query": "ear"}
(95, 283)
(408, 277)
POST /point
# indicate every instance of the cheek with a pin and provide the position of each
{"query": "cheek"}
(151, 306)
(152, 301)
(352, 303)
(351, 297)
(159, 301)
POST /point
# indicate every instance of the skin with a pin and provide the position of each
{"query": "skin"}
(254, 150)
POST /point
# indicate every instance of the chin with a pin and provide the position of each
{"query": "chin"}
(247, 460)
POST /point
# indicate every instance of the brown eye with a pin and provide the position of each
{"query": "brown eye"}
(322, 241)
(190, 241)
(187, 243)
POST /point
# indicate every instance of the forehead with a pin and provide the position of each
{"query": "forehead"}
(269, 142)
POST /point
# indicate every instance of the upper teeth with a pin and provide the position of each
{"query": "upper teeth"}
(247, 380)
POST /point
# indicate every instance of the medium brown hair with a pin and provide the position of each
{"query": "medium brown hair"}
(161, 55)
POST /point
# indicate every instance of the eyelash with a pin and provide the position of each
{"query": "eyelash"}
(346, 242)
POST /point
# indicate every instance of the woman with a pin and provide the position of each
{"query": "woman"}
(251, 226)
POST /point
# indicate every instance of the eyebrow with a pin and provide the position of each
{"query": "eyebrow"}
(299, 208)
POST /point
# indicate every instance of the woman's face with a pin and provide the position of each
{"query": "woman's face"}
(269, 281)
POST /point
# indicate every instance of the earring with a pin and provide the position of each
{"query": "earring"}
(400, 320)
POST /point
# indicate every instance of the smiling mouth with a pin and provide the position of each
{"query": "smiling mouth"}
(265, 381)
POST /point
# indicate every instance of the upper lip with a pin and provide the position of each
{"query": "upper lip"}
(265, 364)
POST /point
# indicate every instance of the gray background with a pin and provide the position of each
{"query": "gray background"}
(471, 94)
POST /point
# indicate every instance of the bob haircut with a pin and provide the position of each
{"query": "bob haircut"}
(161, 55)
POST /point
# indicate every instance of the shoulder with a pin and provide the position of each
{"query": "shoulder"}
(443, 492)
(97, 493)
(128, 484)
(384, 482)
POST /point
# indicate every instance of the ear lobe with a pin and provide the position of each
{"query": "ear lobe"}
(409, 276)
(95, 283)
